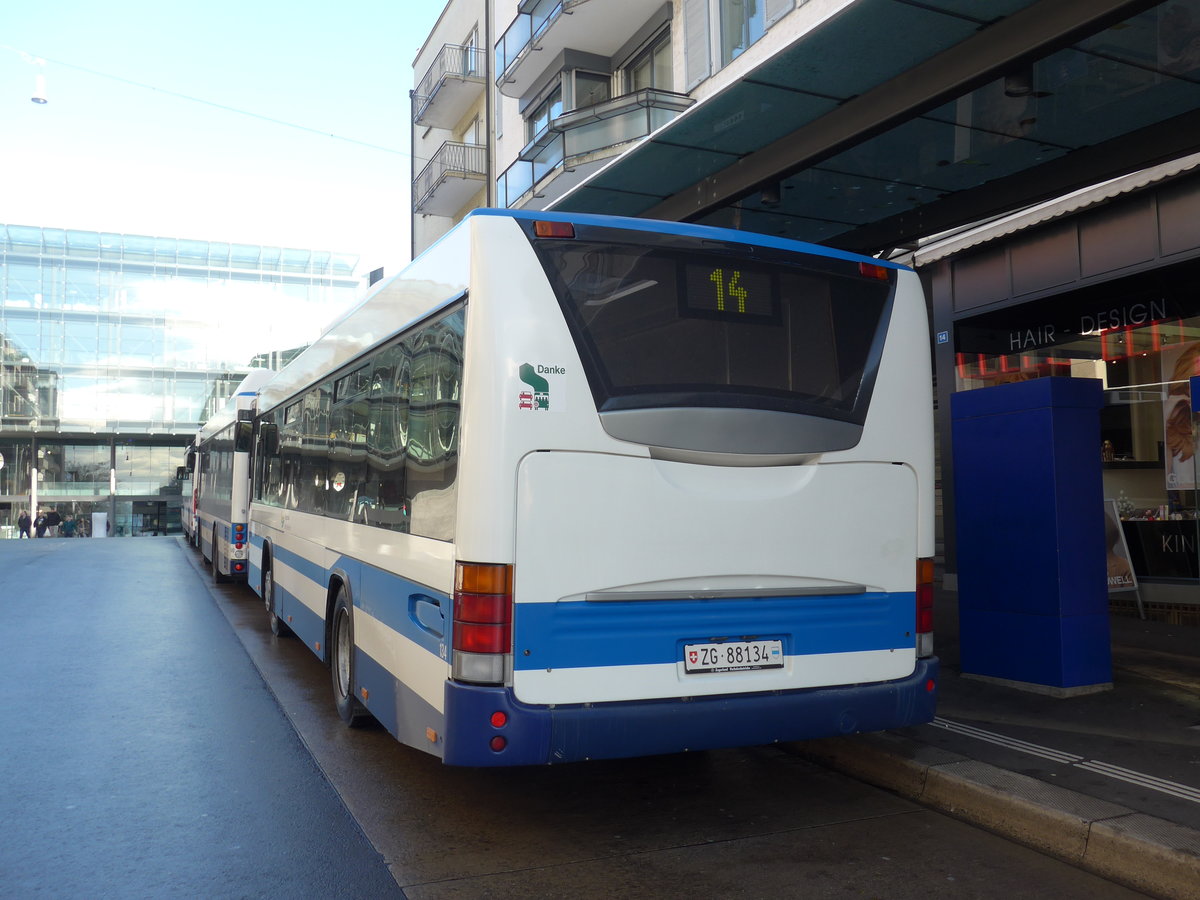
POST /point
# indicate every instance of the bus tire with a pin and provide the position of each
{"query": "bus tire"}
(218, 578)
(341, 662)
(278, 627)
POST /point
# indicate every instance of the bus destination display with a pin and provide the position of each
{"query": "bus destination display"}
(730, 292)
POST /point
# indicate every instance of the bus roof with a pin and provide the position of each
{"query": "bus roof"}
(358, 330)
(685, 229)
(242, 398)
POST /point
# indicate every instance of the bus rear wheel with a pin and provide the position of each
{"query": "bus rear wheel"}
(341, 662)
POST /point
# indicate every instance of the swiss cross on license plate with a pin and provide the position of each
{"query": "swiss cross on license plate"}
(732, 656)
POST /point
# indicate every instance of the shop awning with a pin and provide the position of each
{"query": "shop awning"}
(892, 120)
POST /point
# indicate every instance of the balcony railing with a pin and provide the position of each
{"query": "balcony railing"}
(575, 136)
(450, 179)
(524, 29)
(552, 26)
(453, 82)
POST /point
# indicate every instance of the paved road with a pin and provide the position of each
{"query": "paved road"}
(753, 823)
(140, 752)
(145, 756)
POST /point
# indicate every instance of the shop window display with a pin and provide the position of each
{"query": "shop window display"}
(1144, 350)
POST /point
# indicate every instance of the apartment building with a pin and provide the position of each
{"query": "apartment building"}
(568, 86)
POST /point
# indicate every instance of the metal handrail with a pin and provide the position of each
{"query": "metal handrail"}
(523, 34)
(457, 60)
(550, 147)
(452, 157)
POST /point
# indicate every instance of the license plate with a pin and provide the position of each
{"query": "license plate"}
(732, 656)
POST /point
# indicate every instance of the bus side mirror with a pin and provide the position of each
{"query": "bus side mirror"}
(181, 473)
(191, 463)
(243, 437)
(268, 438)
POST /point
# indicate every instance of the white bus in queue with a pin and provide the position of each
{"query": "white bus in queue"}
(188, 485)
(572, 487)
(221, 481)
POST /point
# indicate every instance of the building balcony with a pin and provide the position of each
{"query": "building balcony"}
(578, 143)
(453, 84)
(544, 28)
(454, 175)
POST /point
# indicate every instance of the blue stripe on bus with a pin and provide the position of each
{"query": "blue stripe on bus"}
(413, 610)
(585, 634)
(707, 232)
(613, 633)
(420, 614)
(301, 564)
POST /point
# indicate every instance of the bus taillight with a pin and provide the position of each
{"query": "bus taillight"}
(483, 608)
(554, 229)
(924, 607)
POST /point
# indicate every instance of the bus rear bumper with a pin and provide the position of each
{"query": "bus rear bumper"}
(537, 735)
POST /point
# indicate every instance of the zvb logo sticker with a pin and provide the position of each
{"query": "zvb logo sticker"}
(537, 397)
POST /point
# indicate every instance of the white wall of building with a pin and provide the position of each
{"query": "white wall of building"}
(461, 21)
(697, 70)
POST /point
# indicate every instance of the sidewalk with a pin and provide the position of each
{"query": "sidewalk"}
(1109, 782)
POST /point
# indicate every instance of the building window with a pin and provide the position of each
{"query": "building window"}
(474, 132)
(742, 23)
(591, 88)
(545, 112)
(651, 67)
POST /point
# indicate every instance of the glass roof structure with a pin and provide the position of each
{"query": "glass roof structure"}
(896, 119)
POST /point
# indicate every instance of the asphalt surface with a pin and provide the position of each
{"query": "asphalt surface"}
(140, 752)
(143, 755)
(1107, 781)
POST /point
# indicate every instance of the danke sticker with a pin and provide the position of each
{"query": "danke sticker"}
(543, 388)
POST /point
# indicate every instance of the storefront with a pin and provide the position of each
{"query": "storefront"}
(1103, 285)
(132, 482)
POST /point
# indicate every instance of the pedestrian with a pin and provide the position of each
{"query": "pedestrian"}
(39, 525)
(68, 528)
(53, 520)
(23, 523)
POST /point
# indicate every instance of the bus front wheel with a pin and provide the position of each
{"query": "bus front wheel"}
(218, 577)
(341, 662)
(278, 627)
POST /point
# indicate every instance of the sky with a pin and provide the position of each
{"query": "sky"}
(145, 130)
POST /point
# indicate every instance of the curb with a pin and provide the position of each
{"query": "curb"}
(1139, 851)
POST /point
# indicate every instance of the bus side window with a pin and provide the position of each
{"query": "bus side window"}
(314, 451)
(385, 501)
(348, 457)
(434, 409)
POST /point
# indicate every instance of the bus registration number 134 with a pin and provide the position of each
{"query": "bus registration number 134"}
(732, 656)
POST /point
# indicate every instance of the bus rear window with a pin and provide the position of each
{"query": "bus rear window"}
(664, 321)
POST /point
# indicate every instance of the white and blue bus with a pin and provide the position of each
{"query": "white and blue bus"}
(188, 484)
(573, 487)
(221, 481)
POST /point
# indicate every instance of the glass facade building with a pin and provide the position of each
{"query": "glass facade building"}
(114, 348)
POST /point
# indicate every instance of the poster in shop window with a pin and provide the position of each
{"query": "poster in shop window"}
(1120, 567)
(1179, 363)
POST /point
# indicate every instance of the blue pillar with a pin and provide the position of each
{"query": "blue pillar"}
(1033, 598)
